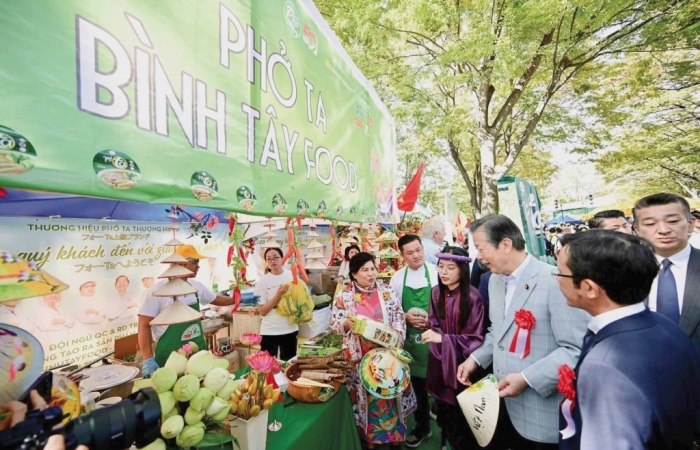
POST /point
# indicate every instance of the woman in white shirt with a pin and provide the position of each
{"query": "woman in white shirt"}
(277, 334)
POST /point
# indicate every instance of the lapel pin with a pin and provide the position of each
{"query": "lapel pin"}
(527, 287)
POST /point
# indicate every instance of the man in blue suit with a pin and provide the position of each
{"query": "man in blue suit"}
(637, 376)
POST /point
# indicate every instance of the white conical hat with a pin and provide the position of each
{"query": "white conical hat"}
(479, 404)
(313, 233)
(173, 243)
(173, 216)
(315, 264)
(176, 271)
(178, 312)
(173, 258)
(271, 235)
(173, 227)
(270, 243)
(175, 287)
(315, 255)
(314, 244)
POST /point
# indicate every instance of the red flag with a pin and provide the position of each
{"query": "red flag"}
(409, 197)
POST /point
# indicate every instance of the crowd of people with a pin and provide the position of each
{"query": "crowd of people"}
(612, 358)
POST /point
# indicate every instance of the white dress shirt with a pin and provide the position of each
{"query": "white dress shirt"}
(512, 282)
(695, 239)
(601, 321)
(679, 269)
(430, 249)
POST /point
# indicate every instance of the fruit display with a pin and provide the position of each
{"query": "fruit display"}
(296, 304)
(193, 388)
(255, 394)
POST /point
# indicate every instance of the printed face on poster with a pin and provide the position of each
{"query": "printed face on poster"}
(109, 266)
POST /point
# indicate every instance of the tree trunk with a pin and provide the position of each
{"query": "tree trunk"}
(489, 178)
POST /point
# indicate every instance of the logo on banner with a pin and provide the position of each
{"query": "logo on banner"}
(291, 16)
(191, 332)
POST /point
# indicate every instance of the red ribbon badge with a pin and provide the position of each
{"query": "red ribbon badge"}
(525, 321)
(566, 387)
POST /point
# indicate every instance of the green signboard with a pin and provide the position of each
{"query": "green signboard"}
(249, 106)
(518, 200)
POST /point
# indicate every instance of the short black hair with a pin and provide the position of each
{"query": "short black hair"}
(351, 247)
(660, 199)
(599, 219)
(695, 213)
(622, 264)
(498, 227)
(274, 249)
(407, 239)
(359, 260)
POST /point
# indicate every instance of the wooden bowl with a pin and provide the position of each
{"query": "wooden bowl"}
(309, 394)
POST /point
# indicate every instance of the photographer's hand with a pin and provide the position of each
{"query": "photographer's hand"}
(57, 442)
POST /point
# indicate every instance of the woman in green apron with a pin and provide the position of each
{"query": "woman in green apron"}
(456, 329)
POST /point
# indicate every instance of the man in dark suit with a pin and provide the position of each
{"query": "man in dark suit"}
(666, 222)
(636, 380)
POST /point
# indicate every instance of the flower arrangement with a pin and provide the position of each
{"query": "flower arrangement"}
(255, 394)
(250, 339)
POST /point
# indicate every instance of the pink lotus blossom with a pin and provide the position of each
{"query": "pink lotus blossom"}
(263, 362)
(215, 220)
(249, 339)
(211, 224)
(198, 216)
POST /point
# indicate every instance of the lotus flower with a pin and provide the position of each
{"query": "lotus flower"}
(198, 215)
(210, 224)
(249, 339)
(263, 362)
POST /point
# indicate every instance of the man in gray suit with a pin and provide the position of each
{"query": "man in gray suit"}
(523, 286)
(665, 221)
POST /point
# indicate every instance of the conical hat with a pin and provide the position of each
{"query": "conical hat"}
(389, 253)
(176, 271)
(314, 244)
(315, 264)
(315, 254)
(313, 233)
(175, 287)
(479, 404)
(173, 243)
(173, 227)
(271, 235)
(173, 258)
(387, 238)
(172, 216)
(271, 243)
(178, 312)
(20, 279)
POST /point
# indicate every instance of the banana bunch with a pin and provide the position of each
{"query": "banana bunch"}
(253, 396)
(193, 388)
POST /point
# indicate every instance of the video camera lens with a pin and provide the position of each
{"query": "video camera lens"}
(135, 419)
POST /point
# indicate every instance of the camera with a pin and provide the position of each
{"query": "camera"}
(134, 420)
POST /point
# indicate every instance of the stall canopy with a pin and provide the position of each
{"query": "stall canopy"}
(231, 105)
(564, 218)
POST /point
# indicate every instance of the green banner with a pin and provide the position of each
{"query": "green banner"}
(248, 106)
(518, 200)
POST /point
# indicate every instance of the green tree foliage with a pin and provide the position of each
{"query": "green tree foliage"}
(657, 146)
(485, 82)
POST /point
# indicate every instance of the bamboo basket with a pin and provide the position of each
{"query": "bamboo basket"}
(310, 394)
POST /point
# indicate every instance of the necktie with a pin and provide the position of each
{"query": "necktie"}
(667, 294)
(587, 342)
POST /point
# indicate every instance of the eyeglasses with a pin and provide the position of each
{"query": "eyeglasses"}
(273, 259)
(557, 274)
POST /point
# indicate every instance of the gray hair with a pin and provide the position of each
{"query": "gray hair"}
(498, 227)
(432, 225)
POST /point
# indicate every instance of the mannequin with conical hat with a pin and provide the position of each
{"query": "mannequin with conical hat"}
(171, 337)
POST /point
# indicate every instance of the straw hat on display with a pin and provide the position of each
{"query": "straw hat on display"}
(20, 279)
(479, 404)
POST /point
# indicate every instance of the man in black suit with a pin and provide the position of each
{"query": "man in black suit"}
(635, 384)
(665, 221)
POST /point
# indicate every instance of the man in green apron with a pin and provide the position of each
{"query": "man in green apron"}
(413, 284)
(172, 337)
